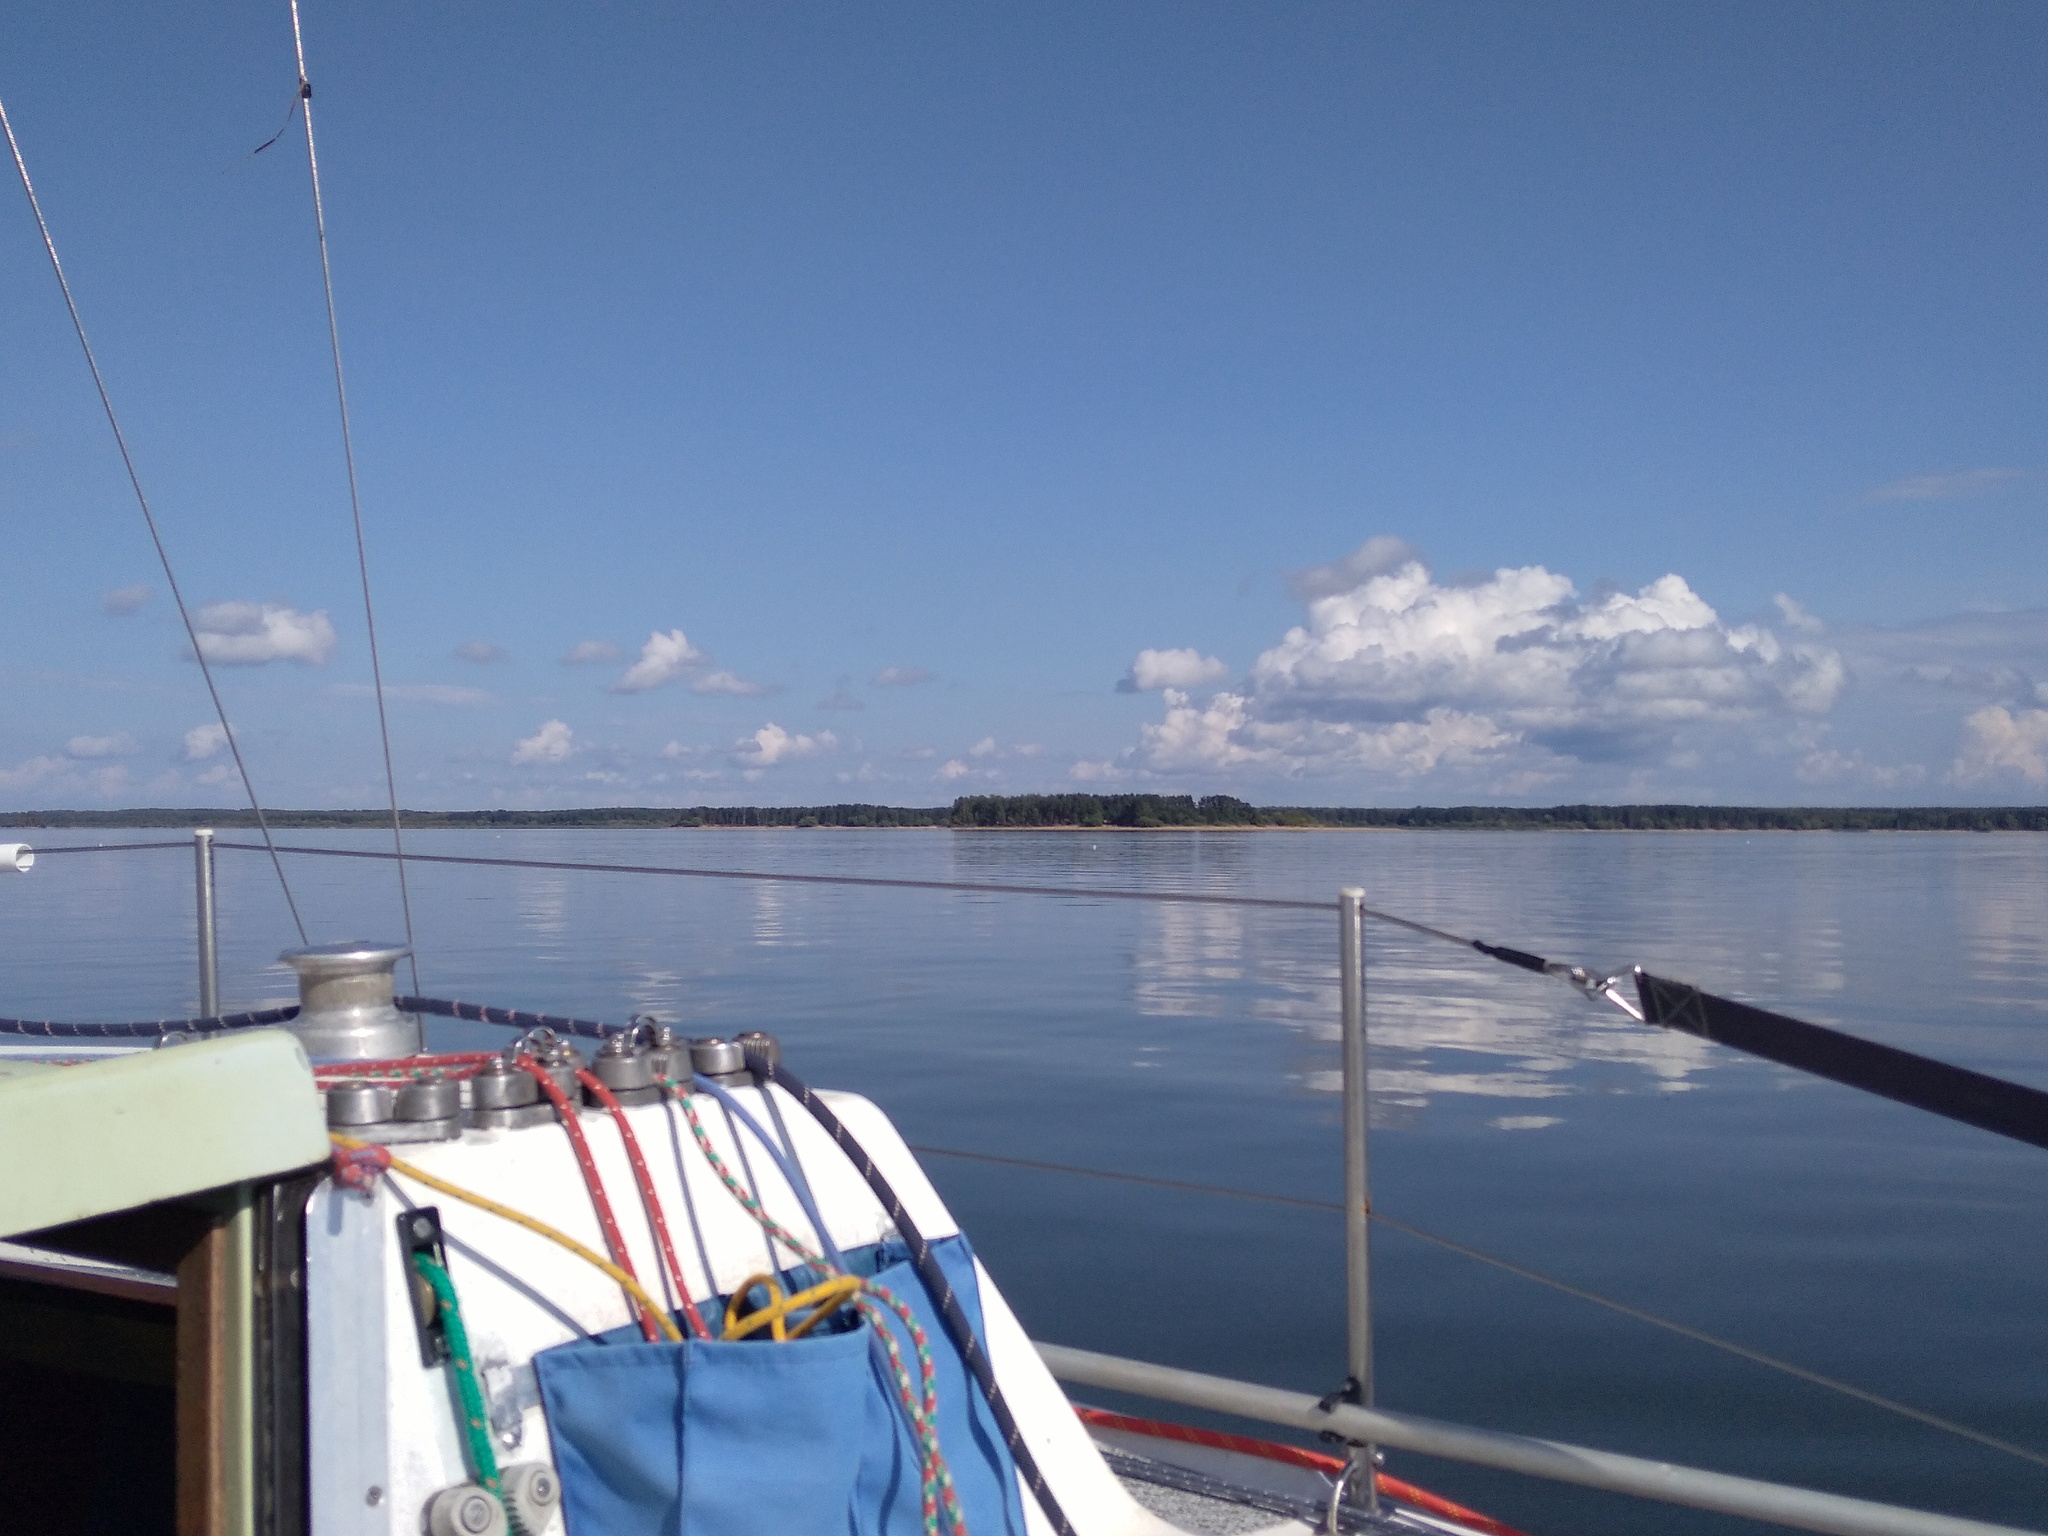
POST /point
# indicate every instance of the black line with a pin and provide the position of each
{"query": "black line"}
(1698, 1336)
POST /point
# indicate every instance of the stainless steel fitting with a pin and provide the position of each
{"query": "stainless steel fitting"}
(345, 1010)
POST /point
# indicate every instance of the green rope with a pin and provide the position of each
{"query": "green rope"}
(482, 1455)
(939, 1495)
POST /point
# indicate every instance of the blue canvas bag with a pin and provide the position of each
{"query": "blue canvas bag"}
(759, 1438)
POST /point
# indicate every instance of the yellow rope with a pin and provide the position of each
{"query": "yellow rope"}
(826, 1298)
(638, 1292)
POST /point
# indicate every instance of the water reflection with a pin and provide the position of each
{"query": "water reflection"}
(1184, 953)
(770, 902)
(543, 902)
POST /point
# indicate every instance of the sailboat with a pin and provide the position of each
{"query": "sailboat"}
(298, 1273)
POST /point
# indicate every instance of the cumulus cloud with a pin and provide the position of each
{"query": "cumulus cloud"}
(249, 634)
(126, 599)
(118, 745)
(952, 768)
(1951, 486)
(728, 683)
(662, 659)
(1184, 668)
(901, 677)
(1375, 557)
(203, 741)
(1998, 741)
(554, 742)
(772, 744)
(482, 652)
(589, 653)
(1399, 673)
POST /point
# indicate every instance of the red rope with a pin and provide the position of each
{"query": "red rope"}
(614, 1240)
(1295, 1456)
(454, 1065)
(648, 1196)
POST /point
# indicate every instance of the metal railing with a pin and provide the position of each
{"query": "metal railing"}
(1349, 1413)
(1802, 1509)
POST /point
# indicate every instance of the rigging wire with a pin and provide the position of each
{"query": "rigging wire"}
(149, 517)
(348, 454)
(1509, 1266)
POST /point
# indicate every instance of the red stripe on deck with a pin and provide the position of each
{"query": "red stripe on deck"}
(1295, 1456)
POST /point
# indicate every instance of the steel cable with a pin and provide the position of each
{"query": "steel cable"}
(512, 1017)
(148, 517)
(355, 503)
(1509, 1266)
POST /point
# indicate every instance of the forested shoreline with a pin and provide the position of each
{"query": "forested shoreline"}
(1135, 812)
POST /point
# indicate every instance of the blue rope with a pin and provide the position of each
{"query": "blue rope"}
(789, 1169)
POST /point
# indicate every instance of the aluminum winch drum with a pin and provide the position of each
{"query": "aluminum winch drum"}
(345, 1011)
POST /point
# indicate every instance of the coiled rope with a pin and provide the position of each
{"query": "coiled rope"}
(935, 1282)
(920, 1407)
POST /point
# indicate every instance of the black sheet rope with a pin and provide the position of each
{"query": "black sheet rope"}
(1955, 1093)
(936, 1284)
(1669, 1003)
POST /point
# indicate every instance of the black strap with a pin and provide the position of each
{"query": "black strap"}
(1521, 957)
(1956, 1093)
(935, 1283)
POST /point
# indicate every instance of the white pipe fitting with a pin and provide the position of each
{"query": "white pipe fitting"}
(18, 857)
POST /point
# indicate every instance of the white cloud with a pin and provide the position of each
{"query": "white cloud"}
(1999, 741)
(1796, 616)
(554, 742)
(1402, 674)
(249, 634)
(1094, 770)
(1184, 668)
(202, 741)
(662, 659)
(727, 683)
(481, 652)
(1951, 486)
(901, 677)
(986, 747)
(33, 771)
(1375, 557)
(952, 768)
(417, 693)
(126, 599)
(586, 653)
(118, 745)
(1993, 657)
(676, 752)
(772, 744)
(219, 773)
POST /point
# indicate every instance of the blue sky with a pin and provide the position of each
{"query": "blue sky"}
(1325, 404)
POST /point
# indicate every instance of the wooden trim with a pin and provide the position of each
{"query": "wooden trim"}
(203, 1280)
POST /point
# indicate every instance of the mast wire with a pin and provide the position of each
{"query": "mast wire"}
(148, 517)
(348, 453)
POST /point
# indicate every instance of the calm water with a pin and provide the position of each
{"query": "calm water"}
(1859, 1238)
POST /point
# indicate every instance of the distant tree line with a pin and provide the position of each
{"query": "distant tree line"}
(1135, 811)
